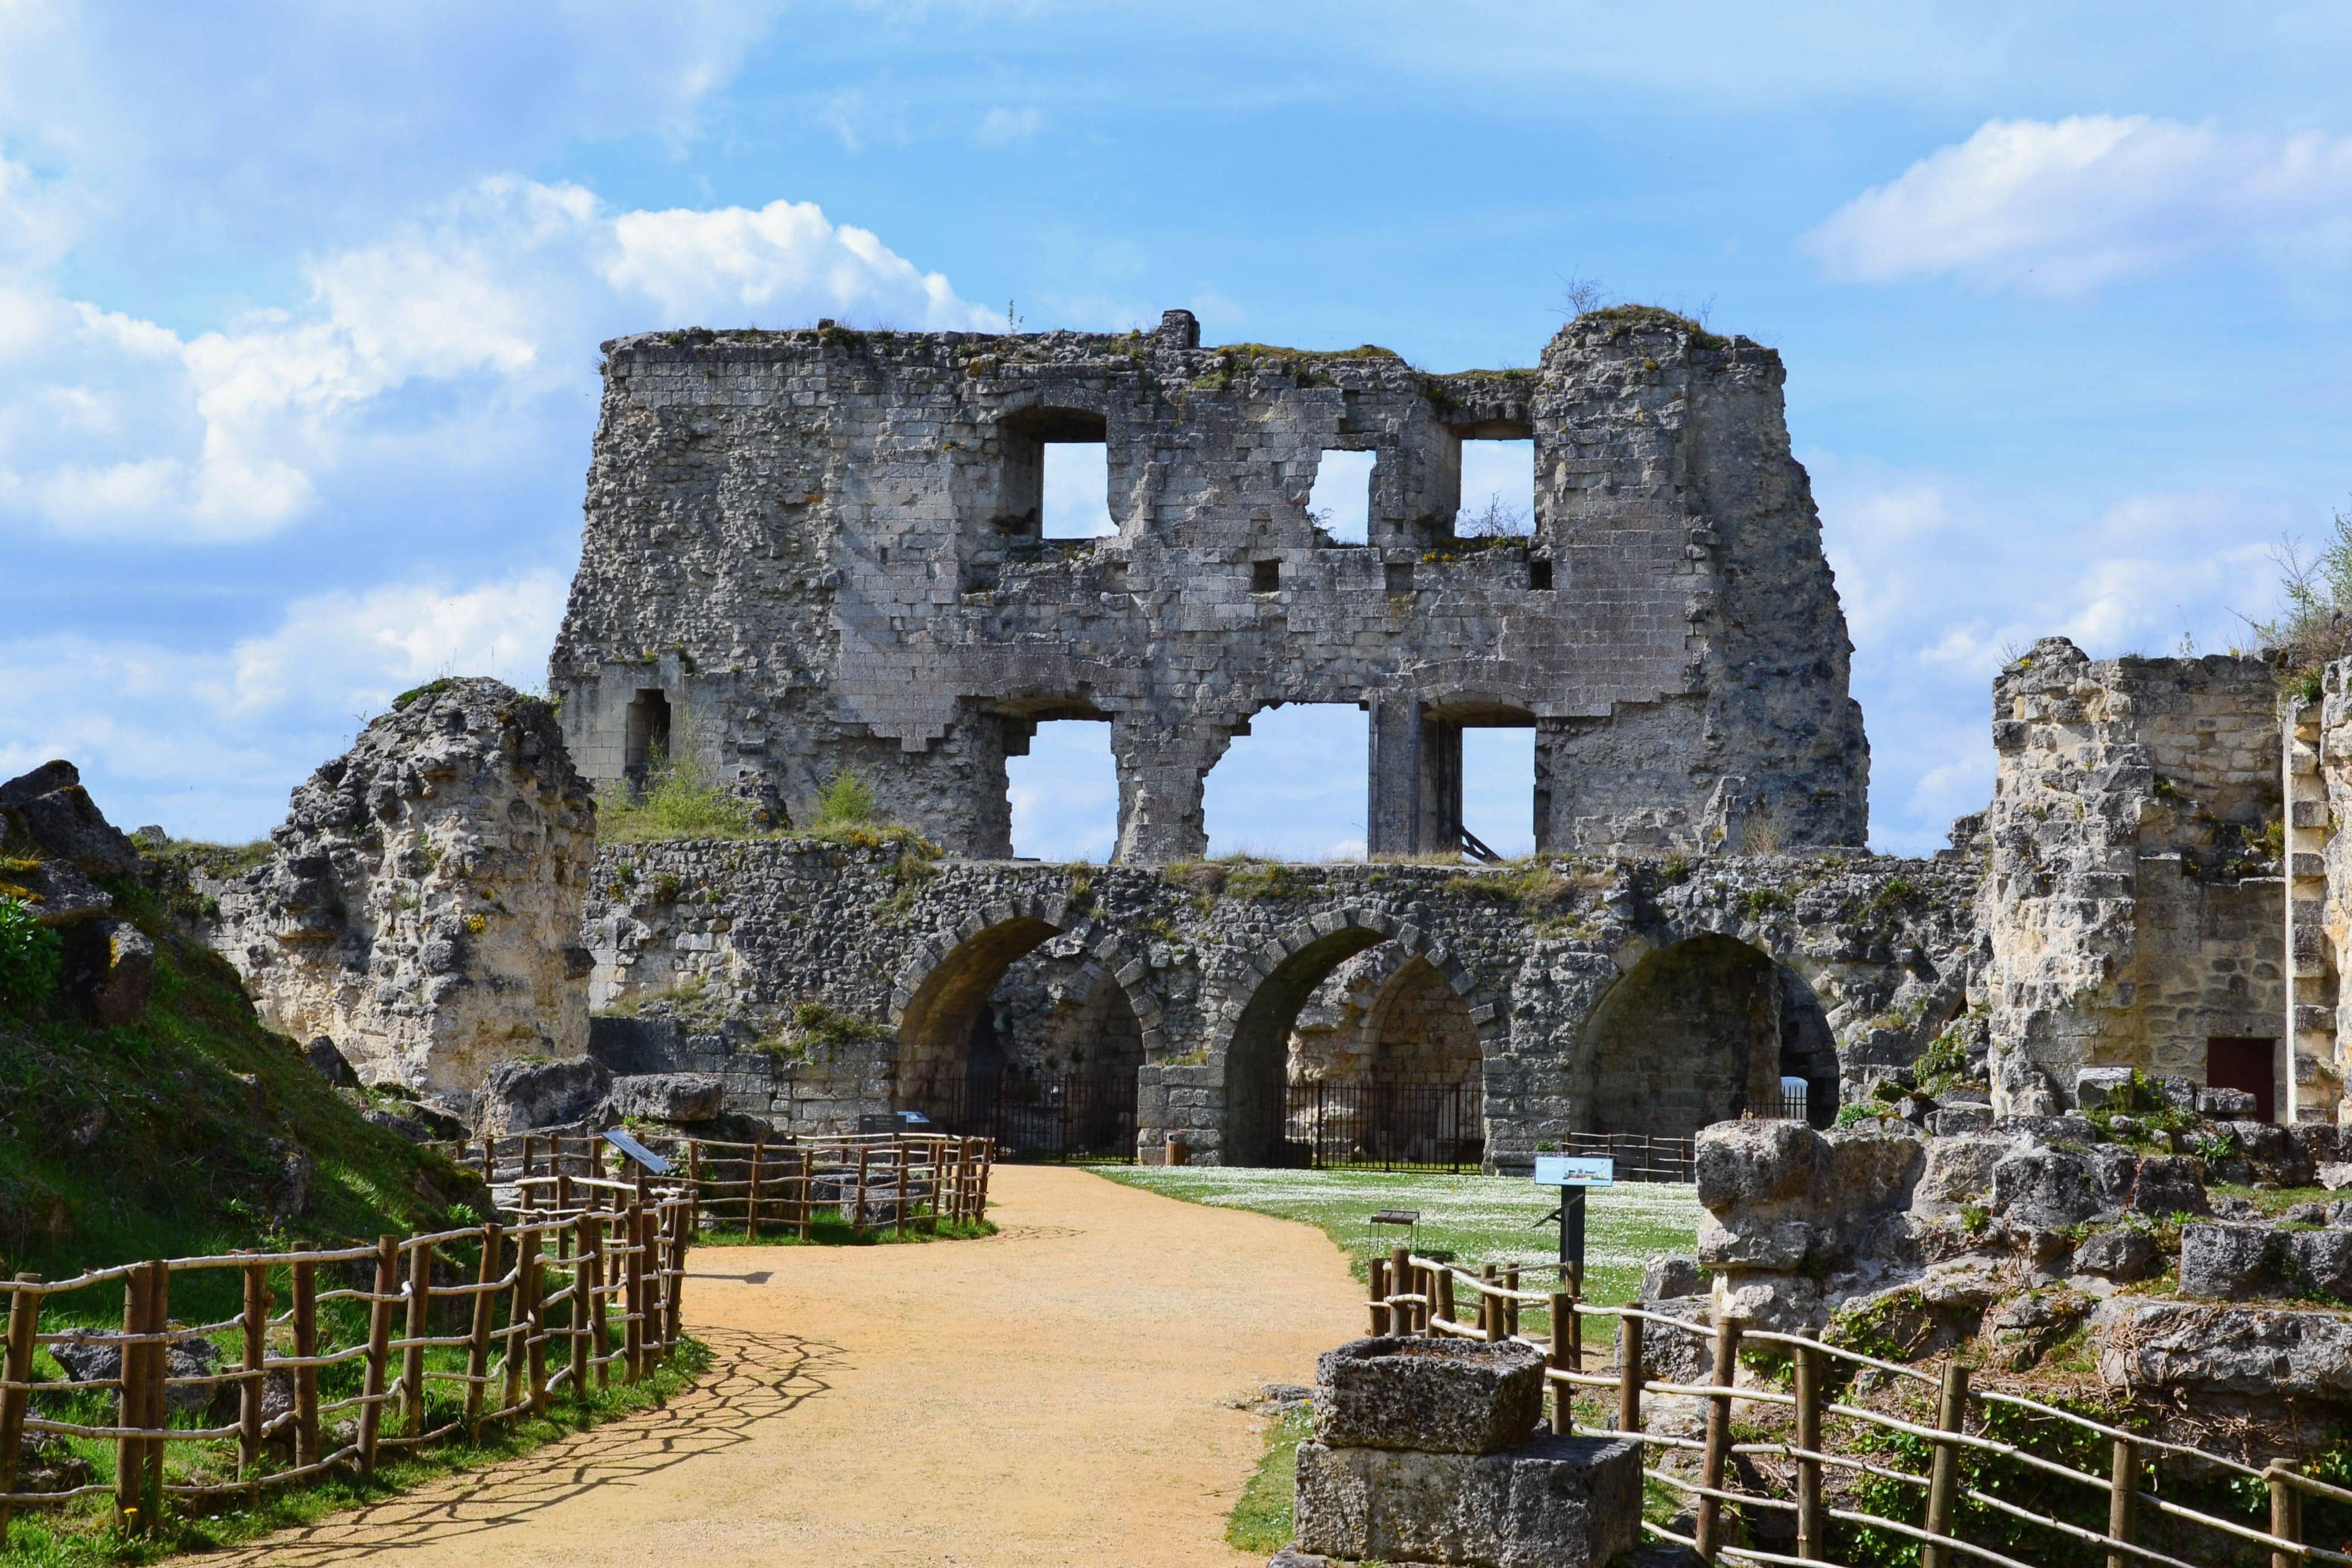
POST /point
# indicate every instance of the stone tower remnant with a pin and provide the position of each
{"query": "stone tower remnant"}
(422, 908)
(821, 550)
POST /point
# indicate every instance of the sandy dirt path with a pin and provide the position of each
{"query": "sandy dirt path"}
(1058, 1392)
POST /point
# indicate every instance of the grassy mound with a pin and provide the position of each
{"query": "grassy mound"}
(194, 1130)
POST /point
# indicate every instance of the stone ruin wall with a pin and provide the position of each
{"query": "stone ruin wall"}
(819, 550)
(2132, 912)
(710, 949)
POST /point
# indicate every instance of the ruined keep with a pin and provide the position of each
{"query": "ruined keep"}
(818, 550)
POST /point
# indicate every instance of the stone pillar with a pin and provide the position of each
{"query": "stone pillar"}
(1440, 807)
(1392, 816)
(1161, 776)
(1547, 733)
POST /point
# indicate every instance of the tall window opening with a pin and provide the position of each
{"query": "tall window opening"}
(1498, 784)
(1341, 501)
(646, 740)
(1498, 488)
(1291, 787)
(1078, 490)
(1064, 793)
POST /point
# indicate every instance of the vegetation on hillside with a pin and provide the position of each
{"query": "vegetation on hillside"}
(2314, 625)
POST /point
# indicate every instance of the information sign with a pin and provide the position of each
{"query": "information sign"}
(636, 1151)
(1575, 1170)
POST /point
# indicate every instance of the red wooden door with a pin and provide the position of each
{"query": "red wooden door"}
(2244, 1064)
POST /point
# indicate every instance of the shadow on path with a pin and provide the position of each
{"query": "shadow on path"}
(754, 1379)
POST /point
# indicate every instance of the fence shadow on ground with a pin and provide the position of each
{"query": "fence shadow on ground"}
(754, 1378)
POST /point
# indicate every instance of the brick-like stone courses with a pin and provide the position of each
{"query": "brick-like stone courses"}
(724, 940)
(2130, 910)
(822, 549)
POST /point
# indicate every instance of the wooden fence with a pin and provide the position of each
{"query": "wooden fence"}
(555, 1301)
(1817, 1423)
(896, 1182)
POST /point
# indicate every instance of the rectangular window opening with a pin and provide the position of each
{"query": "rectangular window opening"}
(1078, 490)
(1266, 576)
(1499, 489)
(1064, 793)
(1539, 576)
(1341, 501)
(1399, 575)
(1291, 784)
(646, 743)
(1498, 786)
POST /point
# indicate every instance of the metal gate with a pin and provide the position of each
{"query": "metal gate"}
(1068, 1116)
(1384, 1126)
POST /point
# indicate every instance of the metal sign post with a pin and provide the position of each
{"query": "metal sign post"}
(1573, 1175)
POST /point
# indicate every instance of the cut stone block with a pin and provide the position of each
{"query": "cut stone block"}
(1439, 1397)
(1553, 1502)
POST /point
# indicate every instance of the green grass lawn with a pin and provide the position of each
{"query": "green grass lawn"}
(1479, 1220)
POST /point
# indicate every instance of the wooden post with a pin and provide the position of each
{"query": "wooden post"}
(420, 1325)
(864, 1154)
(2286, 1513)
(1562, 1358)
(1812, 1525)
(583, 1300)
(379, 1348)
(1376, 1274)
(489, 1161)
(1402, 1319)
(255, 1323)
(656, 1284)
(517, 1332)
(674, 1289)
(534, 1313)
(1943, 1470)
(1490, 1306)
(130, 1404)
(478, 1345)
(694, 1188)
(24, 1325)
(633, 1339)
(1445, 1308)
(751, 1203)
(1709, 1536)
(600, 1331)
(306, 1345)
(1629, 1373)
(2123, 1500)
(807, 1182)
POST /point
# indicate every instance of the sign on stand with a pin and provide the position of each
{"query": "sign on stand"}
(636, 1151)
(1572, 1174)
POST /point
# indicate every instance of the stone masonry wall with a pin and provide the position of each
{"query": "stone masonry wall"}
(816, 550)
(2131, 908)
(719, 950)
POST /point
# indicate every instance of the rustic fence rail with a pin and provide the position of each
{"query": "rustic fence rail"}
(592, 1286)
(1417, 1295)
(898, 1182)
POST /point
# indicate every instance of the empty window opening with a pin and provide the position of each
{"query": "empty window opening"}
(1499, 489)
(1078, 490)
(1291, 786)
(1064, 793)
(1499, 783)
(1341, 500)
(1266, 576)
(646, 742)
(1539, 576)
(1399, 575)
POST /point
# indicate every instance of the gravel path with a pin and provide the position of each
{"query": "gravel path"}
(1066, 1391)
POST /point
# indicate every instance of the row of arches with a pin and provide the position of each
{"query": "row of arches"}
(1696, 1033)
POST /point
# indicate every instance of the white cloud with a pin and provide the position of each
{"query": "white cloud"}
(189, 738)
(2061, 207)
(1001, 126)
(120, 428)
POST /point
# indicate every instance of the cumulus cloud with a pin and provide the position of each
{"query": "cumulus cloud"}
(188, 738)
(113, 426)
(2061, 207)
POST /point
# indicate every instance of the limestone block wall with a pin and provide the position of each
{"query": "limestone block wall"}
(422, 903)
(819, 550)
(728, 944)
(2130, 905)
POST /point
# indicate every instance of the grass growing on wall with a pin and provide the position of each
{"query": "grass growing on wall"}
(677, 802)
(1478, 1219)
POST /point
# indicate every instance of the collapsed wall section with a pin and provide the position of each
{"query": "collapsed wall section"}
(811, 552)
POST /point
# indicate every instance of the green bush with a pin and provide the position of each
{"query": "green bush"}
(677, 802)
(847, 802)
(30, 956)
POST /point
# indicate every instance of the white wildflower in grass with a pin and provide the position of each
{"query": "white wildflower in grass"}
(1478, 1219)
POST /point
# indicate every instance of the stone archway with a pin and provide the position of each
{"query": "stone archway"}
(1702, 1031)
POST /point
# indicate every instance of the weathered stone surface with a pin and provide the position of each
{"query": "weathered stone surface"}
(423, 905)
(2225, 1104)
(2168, 1184)
(50, 810)
(1779, 1194)
(2044, 1189)
(1433, 1395)
(2238, 1263)
(2095, 1087)
(517, 1096)
(1672, 1355)
(917, 628)
(1669, 1275)
(107, 972)
(1959, 1171)
(669, 1096)
(1553, 1502)
(192, 1356)
(2176, 1350)
(327, 1060)
(2122, 1255)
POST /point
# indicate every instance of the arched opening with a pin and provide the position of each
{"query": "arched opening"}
(1701, 1032)
(950, 1052)
(1258, 1058)
(1426, 1106)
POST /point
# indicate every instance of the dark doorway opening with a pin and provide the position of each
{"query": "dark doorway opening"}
(646, 743)
(2237, 1063)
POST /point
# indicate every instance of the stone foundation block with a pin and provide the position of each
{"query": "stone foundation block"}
(1439, 1397)
(1554, 1502)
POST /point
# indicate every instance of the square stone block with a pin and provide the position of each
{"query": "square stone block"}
(1552, 1502)
(1438, 1397)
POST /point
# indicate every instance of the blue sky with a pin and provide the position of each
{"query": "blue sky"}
(298, 311)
